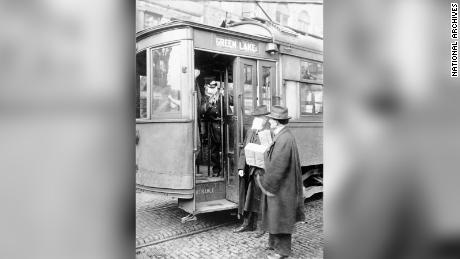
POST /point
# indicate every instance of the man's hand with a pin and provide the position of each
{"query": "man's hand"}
(241, 172)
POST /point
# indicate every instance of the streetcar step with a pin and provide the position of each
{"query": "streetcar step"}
(215, 205)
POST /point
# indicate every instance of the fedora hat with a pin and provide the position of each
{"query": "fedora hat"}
(279, 113)
(260, 110)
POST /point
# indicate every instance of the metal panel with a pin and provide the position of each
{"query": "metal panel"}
(187, 24)
(165, 37)
(164, 155)
(291, 67)
(281, 35)
(287, 50)
(253, 28)
(187, 205)
(209, 191)
(309, 139)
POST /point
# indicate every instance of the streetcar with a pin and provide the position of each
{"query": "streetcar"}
(253, 62)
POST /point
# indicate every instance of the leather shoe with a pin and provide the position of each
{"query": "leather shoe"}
(241, 229)
(276, 256)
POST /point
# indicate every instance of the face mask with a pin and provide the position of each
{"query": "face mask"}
(211, 91)
(258, 123)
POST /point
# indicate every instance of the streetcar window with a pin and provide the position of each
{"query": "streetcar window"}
(311, 99)
(141, 86)
(165, 80)
(266, 86)
(229, 100)
(248, 89)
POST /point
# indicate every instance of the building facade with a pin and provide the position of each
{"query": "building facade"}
(304, 17)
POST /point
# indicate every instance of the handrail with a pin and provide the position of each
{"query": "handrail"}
(195, 122)
(241, 138)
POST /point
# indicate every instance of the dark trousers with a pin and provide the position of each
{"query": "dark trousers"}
(215, 148)
(281, 243)
(253, 220)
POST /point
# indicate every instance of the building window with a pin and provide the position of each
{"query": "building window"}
(151, 19)
(282, 14)
(304, 22)
(282, 18)
(247, 9)
(311, 71)
(311, 99)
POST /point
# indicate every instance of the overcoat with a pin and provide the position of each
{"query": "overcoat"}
(247, 183)
(283, 178)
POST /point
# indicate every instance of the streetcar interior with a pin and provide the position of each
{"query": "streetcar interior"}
(215, 74)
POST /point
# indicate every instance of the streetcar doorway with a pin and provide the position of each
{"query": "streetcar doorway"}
(214, 87)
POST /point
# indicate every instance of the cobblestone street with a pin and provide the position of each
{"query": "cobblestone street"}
(160, 233)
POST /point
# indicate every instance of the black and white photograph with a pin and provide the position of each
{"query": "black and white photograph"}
(229, 129)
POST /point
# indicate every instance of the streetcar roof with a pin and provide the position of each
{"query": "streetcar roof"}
(249, 28)
(280, 34)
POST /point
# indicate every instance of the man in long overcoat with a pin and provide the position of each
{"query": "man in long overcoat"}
(250, 193)
(282, 183)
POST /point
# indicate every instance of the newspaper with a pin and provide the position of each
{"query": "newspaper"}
(265, 138)
(255, 154)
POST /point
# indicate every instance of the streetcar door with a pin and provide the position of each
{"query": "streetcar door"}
(248, 91)
(245, 101)
(231, 138)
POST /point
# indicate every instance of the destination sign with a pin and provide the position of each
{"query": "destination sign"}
(237, 44)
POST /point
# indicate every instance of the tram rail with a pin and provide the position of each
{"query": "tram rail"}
(152, 243)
